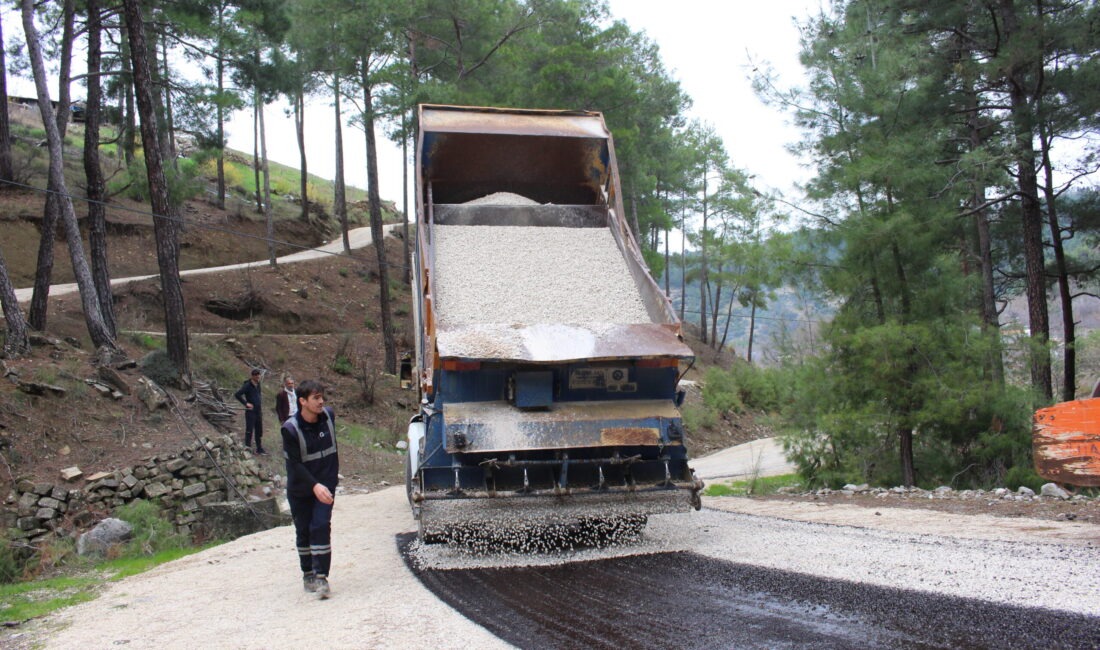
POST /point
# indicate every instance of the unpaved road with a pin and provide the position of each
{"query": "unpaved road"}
(357, 238)
(247, 593)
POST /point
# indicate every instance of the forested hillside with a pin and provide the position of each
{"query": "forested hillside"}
(953, 144)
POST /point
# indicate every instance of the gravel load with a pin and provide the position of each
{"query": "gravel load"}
(532, 275)
(502, 198)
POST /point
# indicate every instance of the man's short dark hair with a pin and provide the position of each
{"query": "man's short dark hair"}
(309, 387)
(255, 372)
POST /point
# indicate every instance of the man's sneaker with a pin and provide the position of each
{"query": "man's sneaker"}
(260, 451)
(321, 587)
(309, 582)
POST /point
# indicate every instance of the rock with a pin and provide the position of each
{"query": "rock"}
(106, 534)
(1025, 491)
(1053, 490)
(150, 394)
(402, 444)
(38, 388)
(115, 379)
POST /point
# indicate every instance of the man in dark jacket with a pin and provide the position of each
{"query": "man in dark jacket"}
(286, 400)
(249, 395)
(312, 472)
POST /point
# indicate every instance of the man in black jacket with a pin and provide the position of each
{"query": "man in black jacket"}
(312, 472)
(249, 395)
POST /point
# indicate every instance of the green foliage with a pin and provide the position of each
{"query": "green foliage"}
(153, 532)
(157, 366)
(10, 566)
(362, 436)
(754, 486)
(698, 416)
(343, 365)
(147, 341)
(720, 392)
(1022, 476)
(26, 600)
(210, 361)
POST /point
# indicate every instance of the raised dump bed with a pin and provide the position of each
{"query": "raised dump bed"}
(548, 358)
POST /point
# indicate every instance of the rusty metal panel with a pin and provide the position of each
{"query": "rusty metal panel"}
(1066, 442)
(612, 436)
(511, 121)
(556, 343)
(499, 426)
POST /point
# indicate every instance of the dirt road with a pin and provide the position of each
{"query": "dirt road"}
(247, 593)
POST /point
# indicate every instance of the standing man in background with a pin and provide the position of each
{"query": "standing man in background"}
(249, 395)
(286, 400)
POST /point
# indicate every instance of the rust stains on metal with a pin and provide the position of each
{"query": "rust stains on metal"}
(1066, 442)
(629, 436)
(562, 124)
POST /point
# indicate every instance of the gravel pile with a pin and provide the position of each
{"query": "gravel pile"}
(532, 275)
(502, 198)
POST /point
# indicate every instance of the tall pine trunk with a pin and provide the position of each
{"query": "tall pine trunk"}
(340, 198)
(165, 226)
(1019, 86)
(1065, 294)
(377, 235)
(300, 131)
(88, 299)
(43, 274)
(93, 173)
(16, 342)
(7, 172)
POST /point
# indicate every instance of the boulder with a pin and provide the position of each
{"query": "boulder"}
(150, 394)
(1053, 490)
(106, 534)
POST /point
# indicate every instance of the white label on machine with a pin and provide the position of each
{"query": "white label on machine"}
(607, 378)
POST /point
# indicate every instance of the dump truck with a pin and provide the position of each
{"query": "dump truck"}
(547, 358)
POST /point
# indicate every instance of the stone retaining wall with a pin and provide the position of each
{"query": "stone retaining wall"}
(181, 484)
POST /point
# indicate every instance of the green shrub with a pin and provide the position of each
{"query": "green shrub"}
(342, 365)
(211, 362)
(147, 341)
(153, 532)
(10, 565)
(720, 392)
(698, 417)
(157, 366)
(1025, 476)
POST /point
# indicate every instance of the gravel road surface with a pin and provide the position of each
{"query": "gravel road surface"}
(247, 594)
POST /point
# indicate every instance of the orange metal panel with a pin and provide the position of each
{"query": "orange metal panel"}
(1066, 442)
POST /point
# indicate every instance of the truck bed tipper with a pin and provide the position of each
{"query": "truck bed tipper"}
(547, 358)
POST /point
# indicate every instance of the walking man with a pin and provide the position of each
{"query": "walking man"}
(249, 395)
(286, 400)
(312, 472)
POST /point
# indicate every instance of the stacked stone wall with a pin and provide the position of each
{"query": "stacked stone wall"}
(181, 484)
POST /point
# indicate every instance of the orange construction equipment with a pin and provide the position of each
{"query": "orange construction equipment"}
(1066, 441)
